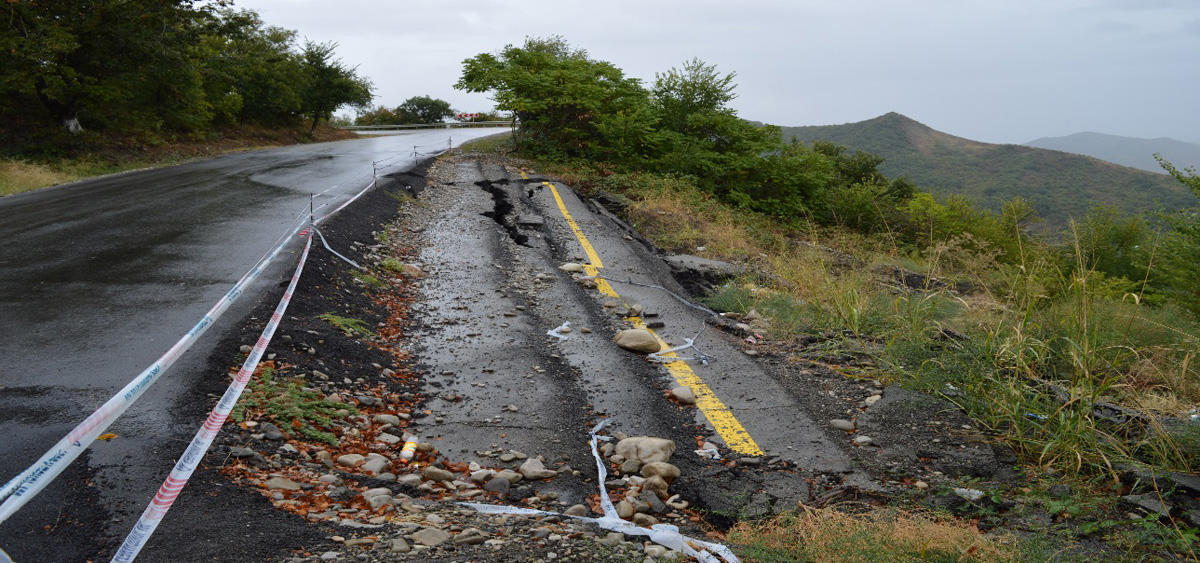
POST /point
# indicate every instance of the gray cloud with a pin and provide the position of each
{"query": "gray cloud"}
(996, 71)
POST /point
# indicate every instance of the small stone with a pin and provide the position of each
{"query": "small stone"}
(577, 510)
(656, 484)
(509, 475)
(645, 449)
(330, 555)
(245, 348)
(387, 419)
(430, 537)
(842, 424)
(282, 483)
(921, 485)
(630, 467)
(863, 440)
(571, 267)
(637, 340)
(367, 494)
(410, 480)
(644, 520)
(329, 478)
(585, 330)
(661, 468)
(625, 509)
(1060, 490)
(398, 545)
(969, 494)
(612, 539)
(437, 474)
(653, 550)
(656, 504)
(684, 394)
(470, 536)
(482, 475)
(870, 401)
(376, 464)
(381, 500)
(507, 457)
(411, 271)
(390, 439)
(350, 460)
(533, 469)
(497, 485)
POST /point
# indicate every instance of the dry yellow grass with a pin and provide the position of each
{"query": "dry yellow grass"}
(17, 176)
(827, 535)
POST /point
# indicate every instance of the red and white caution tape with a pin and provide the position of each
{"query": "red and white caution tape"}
(191, 457)
(30, 482)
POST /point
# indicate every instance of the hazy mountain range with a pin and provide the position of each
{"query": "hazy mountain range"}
(1060, 185)
(1129, 151)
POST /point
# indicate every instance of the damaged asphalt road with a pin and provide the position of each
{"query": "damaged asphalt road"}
(497, 383)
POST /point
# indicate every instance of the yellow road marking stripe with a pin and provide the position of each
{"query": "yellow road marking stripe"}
(719, 415)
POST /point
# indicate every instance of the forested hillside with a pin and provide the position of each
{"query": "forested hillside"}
(1057, 184)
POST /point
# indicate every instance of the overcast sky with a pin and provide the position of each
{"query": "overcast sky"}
(1005, 71)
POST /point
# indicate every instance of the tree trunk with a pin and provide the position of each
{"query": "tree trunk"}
(312, 130)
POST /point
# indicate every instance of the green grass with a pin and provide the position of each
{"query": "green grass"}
(498, 143)
(292, 408)
(18, 176)
(351, 327)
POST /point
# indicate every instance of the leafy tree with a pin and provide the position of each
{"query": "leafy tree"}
(330, 84)
(425, 109)
(556, 93)
(1179, 255)
(693, 89)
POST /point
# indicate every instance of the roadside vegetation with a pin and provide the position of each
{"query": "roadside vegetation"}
(88, 91)
(1081, 355)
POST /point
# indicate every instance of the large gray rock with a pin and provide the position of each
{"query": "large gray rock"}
(637, 340)
(646, 449)
(376, 464)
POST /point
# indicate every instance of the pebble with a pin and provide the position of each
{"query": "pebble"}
(921, 485)
(497, 485)
(653, 550)
(376, 463)
(661, 468)
(684, 394)
(398, 545)
(410, 479)
(330, 555)
(863, 440)
(245, 348)
(576, 510)
(644, 520)
(387, 419)
(842, 424)
(625, 509)
(437, 474)
(533, 469)
(282, 483)
(350, 460)
(630, 467)
(637, 340)
(870, 401)
(470, 536)
(430, 537)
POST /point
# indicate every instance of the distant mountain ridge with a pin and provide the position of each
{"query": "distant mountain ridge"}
(1058, 184)
(1127, 151)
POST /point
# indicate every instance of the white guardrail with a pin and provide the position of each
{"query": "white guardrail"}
(21, 489)
(453, 125)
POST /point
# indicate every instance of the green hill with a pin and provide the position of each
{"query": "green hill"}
(1127, 151)
(1060, 185)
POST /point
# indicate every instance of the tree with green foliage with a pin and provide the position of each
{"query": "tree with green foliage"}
(425, 109)
(330, 84)
(556, 93)
(1178, 256)
(695, 88)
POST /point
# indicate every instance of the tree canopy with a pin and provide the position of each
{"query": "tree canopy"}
(176, 65)
(417, 109)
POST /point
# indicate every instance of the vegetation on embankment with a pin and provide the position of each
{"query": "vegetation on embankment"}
(112, 87)
(1039, 341)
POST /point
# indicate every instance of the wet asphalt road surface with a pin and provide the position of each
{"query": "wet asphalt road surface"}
(496, 382)
(99, 278)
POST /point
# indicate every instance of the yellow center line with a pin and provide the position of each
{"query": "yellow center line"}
(719, 415)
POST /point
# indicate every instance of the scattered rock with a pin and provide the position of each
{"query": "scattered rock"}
(656, 484)
(430, 537)
(654, 550)
(662, 469)
(411, 271)
(387, 419)
(630, 467)
(571, 267)
(1148, 503)
(863, 440)
(577, 510)
(350, 460)
(921, 485)
(969, 494)
(376, 464)
(509, 476)
(684, 394)
(644, 520)
(637, 340)
(437, 474)
(657, 506)
(398, 545)
(1060, 490)
(282, 483)
(533, 469)
(842, 424)
(497, 485)
(646, 449)
(870, 401)
(625, 509)
(271, 432)
(470, 536)
(410, 479)
(482, 475)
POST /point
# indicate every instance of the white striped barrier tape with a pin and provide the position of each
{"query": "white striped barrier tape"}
(30, 482)
(195, 451)
(20, 489)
